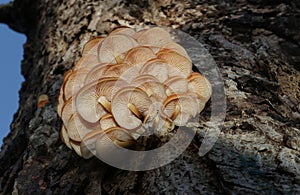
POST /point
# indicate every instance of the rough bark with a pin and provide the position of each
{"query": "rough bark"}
(256, 46)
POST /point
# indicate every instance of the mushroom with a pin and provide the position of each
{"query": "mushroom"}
(150, 84)
(200, 85)
(74, 82)
(123, 30)
(65, 137)
(129, 105)
(176, 85)
(178, 64)
(91, 47)
(107, 121)
(93, 100)
(139, 55)
(95, 73)
(114, 46)
(156, 67)
(154, 37)
(77, 128)
(116, 70)
(181, 107)
(98, 142)
(176, 48)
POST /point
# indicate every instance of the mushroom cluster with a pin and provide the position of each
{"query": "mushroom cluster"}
(127, 85)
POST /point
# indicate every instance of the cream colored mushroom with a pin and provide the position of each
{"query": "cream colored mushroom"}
(178, 64)
(123, 30)
(156, 67)
(77, 128)
(154, 37)
(200, 85)
(64, 136)
(129, 106)
(99, 142)
(91, 47)
(181, 107)
(74, 82)
(114, 46)
(93, 100)
(96, 73)
(107, 121)
(150, 84)
(176, 85)
(139, 55)
(176, 48)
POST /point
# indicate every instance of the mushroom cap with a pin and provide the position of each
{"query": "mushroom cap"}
(64, 137)
(123, 30)
(114, 46)
(200, 85)
(178, 64)
(99, 141)
(95, 73)
(176, 85)
(154, 37)
(74, 82)
(123, 103)
(176, 48)
(77, 128)
(148, 83)
(107, 121)
(116, 70)
(181, 107)
(86, 100)
(91, 47)
(156, 67)
(87, 61)
(68, 109)
(139, 55)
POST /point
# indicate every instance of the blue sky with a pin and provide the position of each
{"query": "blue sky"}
(11, 54)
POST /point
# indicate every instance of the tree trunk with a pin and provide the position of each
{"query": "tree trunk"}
(256, 45)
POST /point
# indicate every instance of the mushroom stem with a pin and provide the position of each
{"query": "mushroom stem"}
(134, 110)
(118, 59)
(105, 103)
(176, 112)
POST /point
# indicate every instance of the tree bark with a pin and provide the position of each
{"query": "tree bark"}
(256, 45)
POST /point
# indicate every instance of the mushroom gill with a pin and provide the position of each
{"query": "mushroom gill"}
(125, 85)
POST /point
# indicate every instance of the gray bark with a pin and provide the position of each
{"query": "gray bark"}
(256, 46)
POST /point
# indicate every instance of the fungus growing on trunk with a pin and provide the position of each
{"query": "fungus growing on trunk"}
(125, 85)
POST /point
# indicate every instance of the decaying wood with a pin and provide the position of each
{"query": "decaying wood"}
(256, 46)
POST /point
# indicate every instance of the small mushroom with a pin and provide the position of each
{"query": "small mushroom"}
(156, 67)
(99, 142)
(178, 64)
(176, 48)
(77, 128)
(154, 37)
(181, 107)
(200, 85)
(176, 85)
(148, 83)
(93, 100)
(42, 100)
(123, 30)
(107, 121)
(95, 73)
(139, 55)
(129, 106)
(74, 82)
(114, 46)
(65, 137)
(91, 47)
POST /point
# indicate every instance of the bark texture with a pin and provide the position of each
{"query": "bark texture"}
(256, 46)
